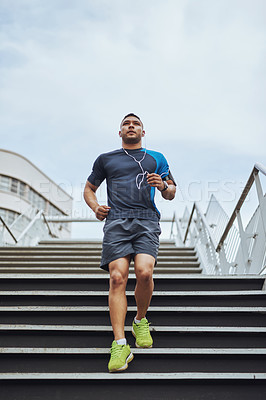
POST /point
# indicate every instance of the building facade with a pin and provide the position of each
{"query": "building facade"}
(24, 186)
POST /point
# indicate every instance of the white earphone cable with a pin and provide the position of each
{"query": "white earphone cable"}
(143, 173)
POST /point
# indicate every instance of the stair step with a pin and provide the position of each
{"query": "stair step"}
(92, 247)
(100, 298)
(145, 360)
(133, 376)
(87, 263)
(67, 242)
(100, 281)
(168, 316)
(154, 386)
(76, 245)
(108, 328)
(133, 308)
(131, 293)
(16, 252)
(145, 352)
(11, 259)
(98, 270)
(85, 336)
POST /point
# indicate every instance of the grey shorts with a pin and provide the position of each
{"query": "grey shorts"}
(124, 236)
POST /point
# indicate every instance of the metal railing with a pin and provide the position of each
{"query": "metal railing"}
(237, 251)
(5, 226)
(38, 228)
(221, 247)
(244, 236)
(199, 235)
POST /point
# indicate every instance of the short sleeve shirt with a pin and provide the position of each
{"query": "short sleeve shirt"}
(129, 194)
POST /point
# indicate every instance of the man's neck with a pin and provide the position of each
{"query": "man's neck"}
(132, 146)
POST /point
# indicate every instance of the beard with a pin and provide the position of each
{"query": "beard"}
(131, 140)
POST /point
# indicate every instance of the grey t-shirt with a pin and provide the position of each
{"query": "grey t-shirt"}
(129, 194)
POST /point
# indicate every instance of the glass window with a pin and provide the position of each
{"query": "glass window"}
(37, 200)
(18, 187)
(8, 215)
(53, 210)
(3, 213)
(5, 183)
(30, 194)
(22, 189)
(11, 216)
(14, 185)
(41, 202)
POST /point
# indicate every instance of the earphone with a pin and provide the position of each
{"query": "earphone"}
(142, 169)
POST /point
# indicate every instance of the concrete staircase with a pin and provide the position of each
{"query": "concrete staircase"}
(84, 257)
(209, 331)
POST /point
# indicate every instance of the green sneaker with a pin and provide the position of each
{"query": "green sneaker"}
(142, 334)
(120, 357)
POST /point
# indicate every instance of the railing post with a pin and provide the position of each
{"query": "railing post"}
(189, 222)
(172, 225)
(243, 243)
(37, 216)
(224, 264)
(48, 226)
(8, 230)
(261, 199)
(175, 222)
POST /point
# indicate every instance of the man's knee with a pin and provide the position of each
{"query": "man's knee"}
(117, 279)
(144, 275)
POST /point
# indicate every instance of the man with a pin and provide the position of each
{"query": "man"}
(131, 230)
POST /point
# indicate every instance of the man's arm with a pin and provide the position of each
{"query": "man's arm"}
(156, 181)
(169, 193)
(101, 212)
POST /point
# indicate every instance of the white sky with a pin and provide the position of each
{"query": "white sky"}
(194, 70)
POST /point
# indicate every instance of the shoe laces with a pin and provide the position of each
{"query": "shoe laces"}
(143, 328)
(116, 350)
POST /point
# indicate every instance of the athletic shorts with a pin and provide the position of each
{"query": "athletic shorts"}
(124, 236)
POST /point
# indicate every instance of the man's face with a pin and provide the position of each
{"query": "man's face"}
(131, 130)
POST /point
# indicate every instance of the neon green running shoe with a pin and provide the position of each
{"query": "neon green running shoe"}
(120, 357)
(142, 334)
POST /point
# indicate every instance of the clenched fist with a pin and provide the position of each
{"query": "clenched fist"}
(101, 212)
(155, 180)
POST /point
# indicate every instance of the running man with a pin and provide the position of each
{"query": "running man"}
(131, 229)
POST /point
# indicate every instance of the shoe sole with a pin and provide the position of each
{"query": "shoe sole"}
(129, 358)
(139, 347)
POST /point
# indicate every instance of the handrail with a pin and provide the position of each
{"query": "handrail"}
(37, 216)
(257, 168)
(48, 226)
(172, 224)
(189, 222)
(9, 231)
(260, 168)
(196, 207)
(26, 213)
(174, 220)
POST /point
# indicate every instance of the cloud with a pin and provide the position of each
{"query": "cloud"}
(193, 70)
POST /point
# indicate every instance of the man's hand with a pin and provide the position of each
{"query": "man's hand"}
(101, 212)
(155, 180)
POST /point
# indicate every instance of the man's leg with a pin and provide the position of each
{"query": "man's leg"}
(120, 351)
(117, 295)
(144, 264)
